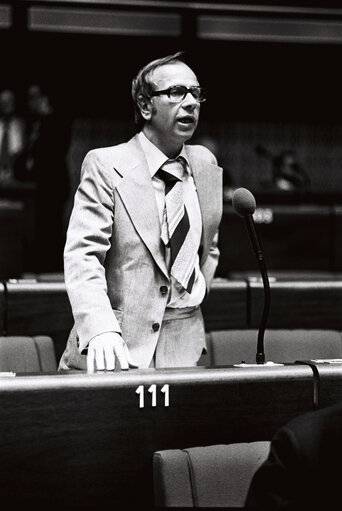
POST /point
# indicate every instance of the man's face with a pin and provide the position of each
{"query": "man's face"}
(171, 124)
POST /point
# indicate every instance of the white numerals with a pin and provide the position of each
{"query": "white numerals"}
(152, 390)
(165, 391)
(140, 391)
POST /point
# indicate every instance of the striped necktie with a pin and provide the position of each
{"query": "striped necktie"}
(176, 232)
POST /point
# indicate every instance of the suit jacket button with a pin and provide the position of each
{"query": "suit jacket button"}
(155, 327)
(163, 290)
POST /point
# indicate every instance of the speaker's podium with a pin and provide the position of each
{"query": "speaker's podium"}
(77, 440)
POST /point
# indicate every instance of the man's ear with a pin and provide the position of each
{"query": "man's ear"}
(145, 107)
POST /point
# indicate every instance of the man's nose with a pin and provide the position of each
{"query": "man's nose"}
(189, 101)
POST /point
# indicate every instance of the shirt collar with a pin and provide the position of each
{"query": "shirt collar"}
(155, 157)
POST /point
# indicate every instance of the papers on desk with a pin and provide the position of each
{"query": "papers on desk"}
(267, 364)
(328, 361)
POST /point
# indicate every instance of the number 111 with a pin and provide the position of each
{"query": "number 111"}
(153, 391)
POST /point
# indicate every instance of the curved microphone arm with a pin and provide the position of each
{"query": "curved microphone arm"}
(260, 355)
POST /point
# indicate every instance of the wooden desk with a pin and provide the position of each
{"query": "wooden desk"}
(328, 382)
(288, 235)
(12, 219)
(23, 193)
(84, 440)
(298, 304)
(226, 305)
(43, 308)
(2, 308)
(337, 239)
(39, 308)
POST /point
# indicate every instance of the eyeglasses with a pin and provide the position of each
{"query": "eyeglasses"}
(177, 93)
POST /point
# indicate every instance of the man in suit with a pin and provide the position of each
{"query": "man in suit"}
(129, 304)
(302, 469)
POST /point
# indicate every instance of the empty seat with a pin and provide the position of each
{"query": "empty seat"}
(23, 354)
(208, 476)
(228, 347)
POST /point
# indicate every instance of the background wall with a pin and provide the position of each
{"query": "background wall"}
(272, 74)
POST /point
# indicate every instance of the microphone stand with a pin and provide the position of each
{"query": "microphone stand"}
(260, 355)
(253, 236)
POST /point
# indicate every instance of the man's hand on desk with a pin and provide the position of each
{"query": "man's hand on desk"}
(103, 349)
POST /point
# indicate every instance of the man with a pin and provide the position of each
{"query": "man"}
(120, 262)
(287, 174)
(302, 469)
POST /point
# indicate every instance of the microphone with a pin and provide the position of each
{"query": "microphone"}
(244, 205)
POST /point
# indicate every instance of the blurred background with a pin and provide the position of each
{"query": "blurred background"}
(273, 118)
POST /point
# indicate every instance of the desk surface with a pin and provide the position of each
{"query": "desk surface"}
(88, 439)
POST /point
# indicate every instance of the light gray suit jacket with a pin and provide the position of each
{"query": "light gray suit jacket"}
(114, 266)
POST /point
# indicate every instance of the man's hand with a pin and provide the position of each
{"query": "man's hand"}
(103, 349)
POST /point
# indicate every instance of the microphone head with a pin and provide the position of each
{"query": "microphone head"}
(243, 202)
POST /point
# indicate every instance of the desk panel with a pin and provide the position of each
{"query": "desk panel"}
(2, 308)
(298, 304)
(328, 378)
(21, 230)
(12, 219)
(225, 306)
(39, 308)
(86, 439)
(36, 308)
(337, 240)
(288, 234)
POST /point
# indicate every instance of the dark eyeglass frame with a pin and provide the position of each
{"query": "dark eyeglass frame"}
(200, 92)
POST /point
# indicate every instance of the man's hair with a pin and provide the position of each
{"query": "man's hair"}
(142, 86)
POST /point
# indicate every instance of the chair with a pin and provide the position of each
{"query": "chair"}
(208, 476)
(228, 347)
(24, 354)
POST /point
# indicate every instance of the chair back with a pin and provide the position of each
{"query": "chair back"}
(208, 476)
(24, 354)
(228, 347)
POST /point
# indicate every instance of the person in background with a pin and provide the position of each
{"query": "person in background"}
(12, 137)
(302, 469)
(287, 174)
(141, 249)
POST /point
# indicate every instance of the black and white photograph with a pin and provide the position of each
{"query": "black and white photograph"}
(170, 254)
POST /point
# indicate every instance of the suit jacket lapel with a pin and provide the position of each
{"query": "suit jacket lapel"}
(207, 177)
(138, 196)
